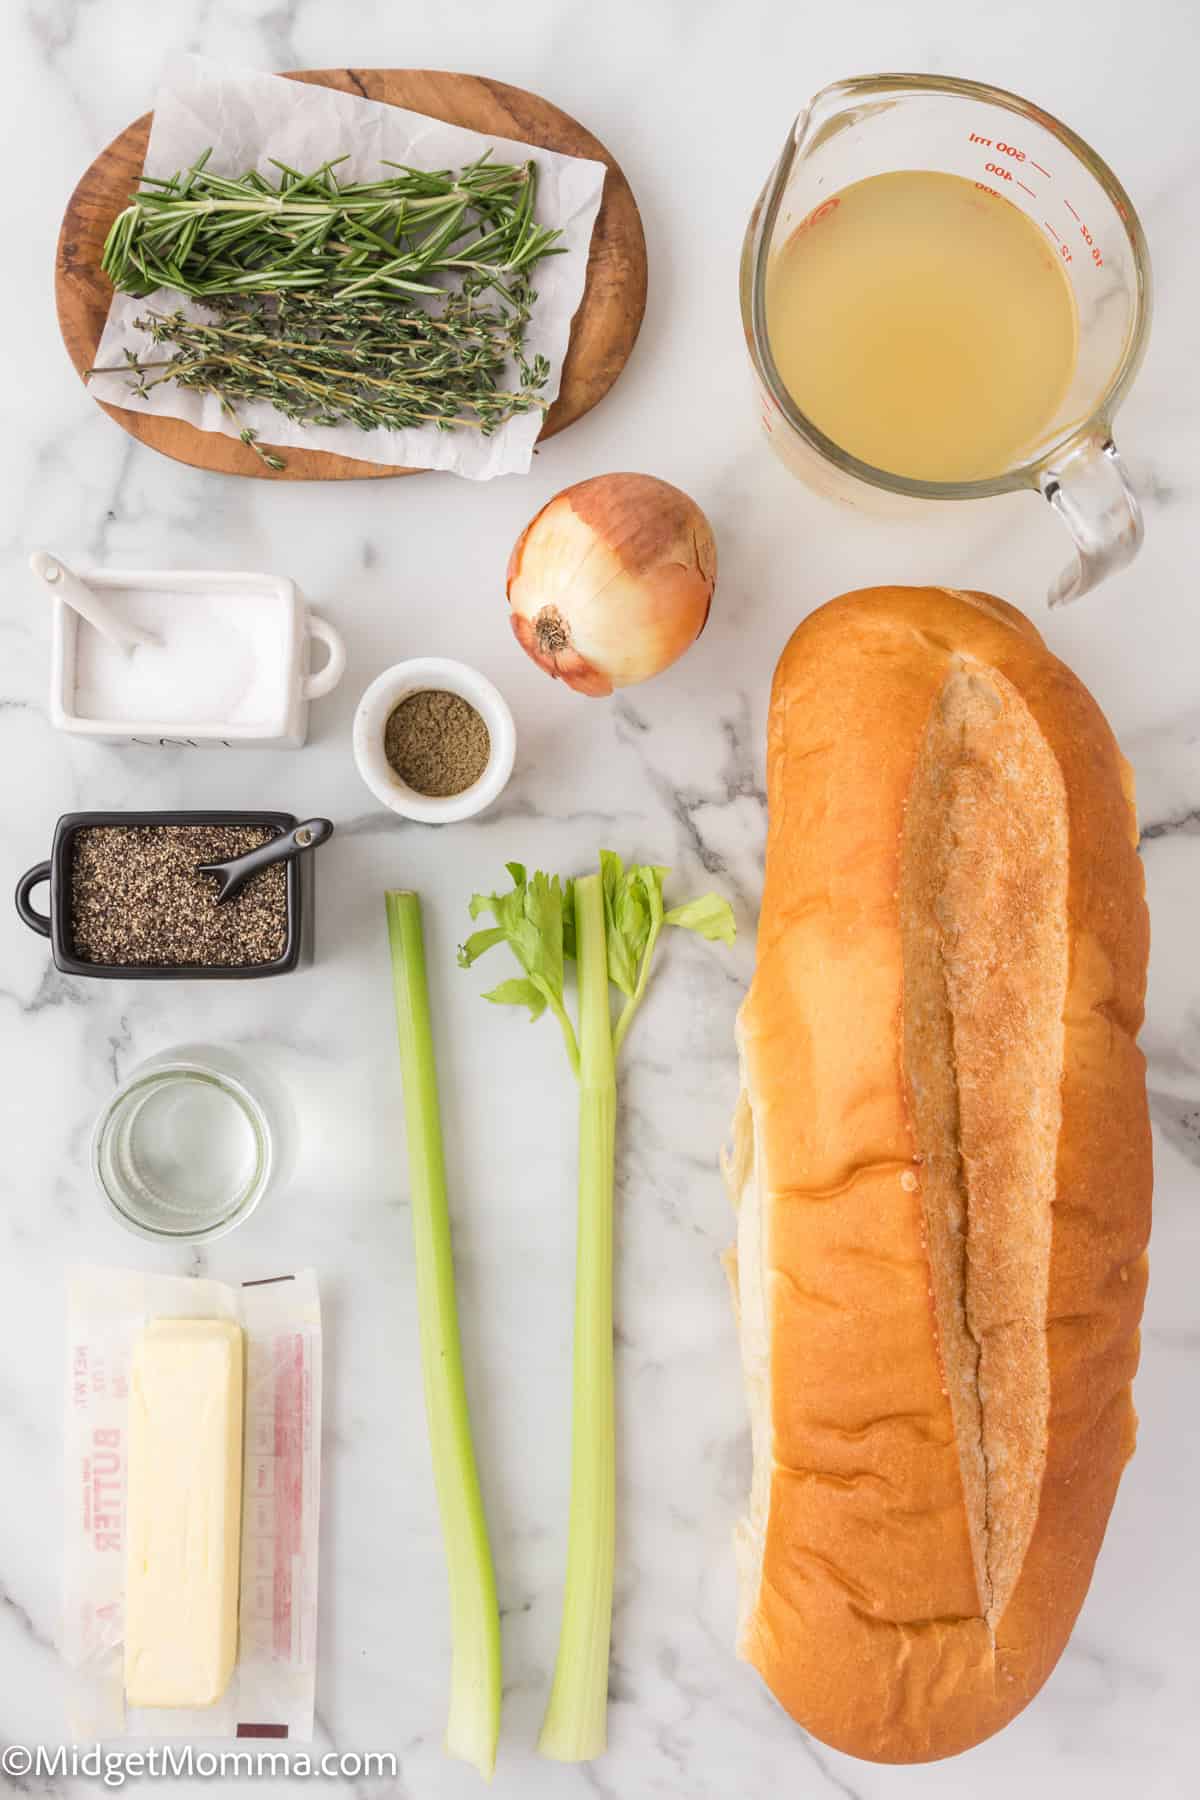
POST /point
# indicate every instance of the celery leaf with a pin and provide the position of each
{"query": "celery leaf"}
(709, 916)
(532, 919)
(519, 993)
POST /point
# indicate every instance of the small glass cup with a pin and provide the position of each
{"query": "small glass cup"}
(184, 1151)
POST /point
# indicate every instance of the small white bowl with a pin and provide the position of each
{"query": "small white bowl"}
(418, 676)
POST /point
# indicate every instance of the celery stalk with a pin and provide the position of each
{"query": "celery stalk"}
(610, 923)
(473, 1722)
(574, 1726)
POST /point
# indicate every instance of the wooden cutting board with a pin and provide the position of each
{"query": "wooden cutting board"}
(602, 334)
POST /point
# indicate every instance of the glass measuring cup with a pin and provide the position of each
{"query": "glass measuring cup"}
(876, 124)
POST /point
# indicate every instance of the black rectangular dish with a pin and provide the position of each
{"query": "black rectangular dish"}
(57, 870)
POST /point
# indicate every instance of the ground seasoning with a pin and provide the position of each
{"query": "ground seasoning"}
(136, 899)
(437, 743)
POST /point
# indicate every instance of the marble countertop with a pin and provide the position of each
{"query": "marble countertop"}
(694, 99)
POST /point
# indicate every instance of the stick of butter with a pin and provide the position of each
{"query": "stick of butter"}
(185, 1512)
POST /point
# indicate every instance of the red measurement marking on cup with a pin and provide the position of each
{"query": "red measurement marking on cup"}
(1094, 250)
(1028, 190)
(996, 144)
(818, 213)
(1002, 149)
(1062, 248)
(1011, 150)
(1091, 243)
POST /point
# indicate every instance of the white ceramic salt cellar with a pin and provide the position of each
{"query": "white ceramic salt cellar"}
(225, 663)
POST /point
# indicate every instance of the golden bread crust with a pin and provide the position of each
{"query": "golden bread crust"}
(862, 1604)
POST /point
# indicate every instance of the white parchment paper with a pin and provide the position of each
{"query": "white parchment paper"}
(248, 118)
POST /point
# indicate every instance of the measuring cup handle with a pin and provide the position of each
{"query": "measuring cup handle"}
(1088, 488)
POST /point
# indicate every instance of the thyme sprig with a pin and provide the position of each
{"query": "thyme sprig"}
(323, 361)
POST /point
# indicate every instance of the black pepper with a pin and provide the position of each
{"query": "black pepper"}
(137, 899)
(437, 743)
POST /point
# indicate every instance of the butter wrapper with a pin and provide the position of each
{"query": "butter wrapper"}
(272, 1690)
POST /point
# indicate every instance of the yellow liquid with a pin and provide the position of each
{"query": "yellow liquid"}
(925, 325)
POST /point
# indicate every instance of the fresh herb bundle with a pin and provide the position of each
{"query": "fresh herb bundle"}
(209, 234)
(609, 923)
(384, 305)
(324, 361)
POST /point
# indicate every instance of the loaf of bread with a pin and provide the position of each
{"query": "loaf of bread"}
(941, 1165)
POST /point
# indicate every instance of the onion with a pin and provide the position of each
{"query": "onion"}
(612, 581)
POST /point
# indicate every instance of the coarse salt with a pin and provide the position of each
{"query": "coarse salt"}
(218, 658)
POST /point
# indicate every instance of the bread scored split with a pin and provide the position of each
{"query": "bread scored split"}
(941, 1165)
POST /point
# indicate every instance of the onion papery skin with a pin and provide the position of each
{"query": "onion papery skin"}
(612, 581)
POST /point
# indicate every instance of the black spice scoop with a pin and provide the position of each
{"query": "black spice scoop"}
(231, 877)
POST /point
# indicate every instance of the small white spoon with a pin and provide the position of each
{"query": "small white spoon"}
(87, 602)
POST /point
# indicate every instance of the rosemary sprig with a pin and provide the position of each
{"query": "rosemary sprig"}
(327, 361)
(209, 234)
